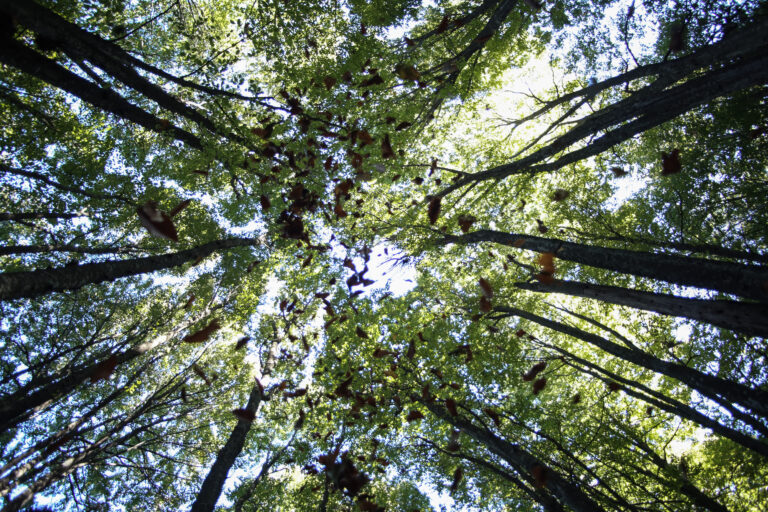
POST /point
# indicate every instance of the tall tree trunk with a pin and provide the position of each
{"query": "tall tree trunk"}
(749, 281)
(525, 463)
(48, 445)
(744, 317)
(17, 55)
(661, 401)
(17, 216)
(15, 285)
(649, 107)
(19, 406)
(210, 491)
(713, 387)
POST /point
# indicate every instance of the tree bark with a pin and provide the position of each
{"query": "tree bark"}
(649, 107)
(11, 216)
(567, 493)
(19, 406)
(748, 281)
(17, 55)
(210, 491)
(663, 402)
(744, 317)
(16, 285)
(714, 387)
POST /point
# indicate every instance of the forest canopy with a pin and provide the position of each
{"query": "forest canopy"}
(477, 255)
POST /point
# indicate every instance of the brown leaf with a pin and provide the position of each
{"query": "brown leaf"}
(670, 163)
(485, 305)
(407, 72)
(364, 137)
(493, 415)
(576, 398)
(245, 414)
(450, 404)
(433, 209)
(519, 242)
(413, 416)
(329, 82)
(465, 222)
(104, 369)
(539, 474)
(266, 204)
(242, 342)
(204, 333)
(560, 194)
(190, 301)
(457, 476)
(411, 350)
(386, 147)
(539, 384)
(486, 288)
(179, 207)
(534, 371)
(541, 227)
(618, 171)
(614, 386)
(374, 80)
(361, 333)
(547, 262)
(443, 26)
(158, 223)
(200, 373)
(677, 37)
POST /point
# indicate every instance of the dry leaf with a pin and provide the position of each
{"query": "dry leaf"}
(670, 163)
(433, 209)
(204, 333)
(539, 384)
(386, 147)
(485, 305)
(450, 404)
(486, 288)
(242, 342)
(413, 416)
(179, 207)
(465, 222)
(158, 223)
(104, 369)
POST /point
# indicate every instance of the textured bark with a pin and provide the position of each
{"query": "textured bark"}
(75, 190)
(663, 402)
(523, 462)
(19, 406)
(17, 55)
(15, 285)
(749, 281)
(650, 106)
(36, 249)
(47, 446)
(744, 317)
(714, 387)
(210, 491)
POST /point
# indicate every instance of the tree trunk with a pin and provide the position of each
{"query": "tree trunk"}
(19, 406)
(663, 402)
(568, 494)
(9, 216)
(749, 281)
(744, 317)
(714, 387)
(17, 55)
(15, 285)
(650, 106)
(210, 491)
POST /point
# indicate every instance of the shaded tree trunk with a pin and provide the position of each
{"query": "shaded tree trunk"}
(745, 66)
(714, 387)
(663, 402)
(213, 484)
(15, 285)
(17, 55)
(744, 317)
(747, 281)
(523, 462)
